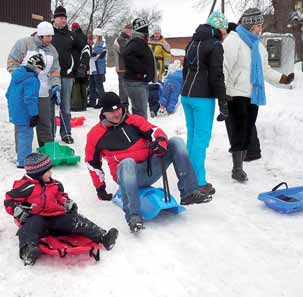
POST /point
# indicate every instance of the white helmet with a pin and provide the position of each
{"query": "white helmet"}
(97, 32)
(45, 28)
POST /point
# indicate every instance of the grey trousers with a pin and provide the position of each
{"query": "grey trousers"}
(138, 94)
(44, 126)
(123, 94)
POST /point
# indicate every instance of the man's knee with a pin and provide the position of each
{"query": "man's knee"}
(127, 165)
(176, 143)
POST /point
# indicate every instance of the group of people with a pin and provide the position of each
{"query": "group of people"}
(223, 64)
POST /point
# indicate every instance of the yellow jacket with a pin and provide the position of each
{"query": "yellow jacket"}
(161, 50)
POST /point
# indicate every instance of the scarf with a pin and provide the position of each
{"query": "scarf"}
(256, 73)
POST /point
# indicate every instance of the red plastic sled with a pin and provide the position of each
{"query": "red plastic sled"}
(70, 244)
(74, 122)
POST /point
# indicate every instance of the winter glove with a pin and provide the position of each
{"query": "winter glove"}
(56, 93)
(33, 121)
(22, 212)
(81, 71)
(70, 206)
(287, 79)
(223, 107)
(103, 195)
(159, 146)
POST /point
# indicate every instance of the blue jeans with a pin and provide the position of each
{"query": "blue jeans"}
(138, 94)
(132, 175)
(25, 135)
(96, 88)
(199, 115)
(65, 115)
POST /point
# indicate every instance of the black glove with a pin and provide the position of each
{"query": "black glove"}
(223, 107)
(287, 79)
(81, 71)
(103, 195)
(23, 211)
(159, 146)
(33, 121)
(70, 206)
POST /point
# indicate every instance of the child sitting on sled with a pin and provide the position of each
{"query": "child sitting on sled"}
(38, 202)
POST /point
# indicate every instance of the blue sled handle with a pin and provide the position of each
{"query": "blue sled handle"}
(279, 185)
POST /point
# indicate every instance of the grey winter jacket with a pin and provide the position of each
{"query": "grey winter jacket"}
(25, 48)
(118, 48)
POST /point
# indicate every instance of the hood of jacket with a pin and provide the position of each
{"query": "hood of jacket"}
(204, 32)
(24, 72)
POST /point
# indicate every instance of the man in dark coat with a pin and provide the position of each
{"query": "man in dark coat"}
(67, 43)
(140, 67)
(79, 91)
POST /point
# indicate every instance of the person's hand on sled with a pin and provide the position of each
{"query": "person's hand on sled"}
(103, 195)
(56, 93)
(159, 146)
(70, 206)
(22, 212)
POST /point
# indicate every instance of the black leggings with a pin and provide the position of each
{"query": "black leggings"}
(37, 227)
(242, 117)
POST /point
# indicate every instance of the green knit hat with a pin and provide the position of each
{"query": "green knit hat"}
(217, 20)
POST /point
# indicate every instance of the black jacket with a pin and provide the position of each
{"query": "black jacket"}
(139, 61)
(203, 65)
(67, 44)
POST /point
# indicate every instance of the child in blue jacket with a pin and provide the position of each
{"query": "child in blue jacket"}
(171, 89)
(97, 71)
(22, 96)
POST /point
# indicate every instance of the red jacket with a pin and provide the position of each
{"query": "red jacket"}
(47, 199)
(130, 139)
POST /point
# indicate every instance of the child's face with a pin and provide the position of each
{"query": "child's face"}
(46, 177)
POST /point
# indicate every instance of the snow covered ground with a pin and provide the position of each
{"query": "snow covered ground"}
(231, 247)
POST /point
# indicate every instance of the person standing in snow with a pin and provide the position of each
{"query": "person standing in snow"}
(254, 149)
(133, 148)
(74, 54)
(23, 96)
(49, 77)
(97, 69)
(118, 49)
(40, 205)
(79, 91)
(245, 68)
(161, 50)
(140, 67)
(203, 83)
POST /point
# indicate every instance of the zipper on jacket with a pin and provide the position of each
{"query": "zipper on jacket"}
(198, 68)
(126, 135)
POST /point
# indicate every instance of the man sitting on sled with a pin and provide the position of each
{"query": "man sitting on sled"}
(41, 206)
(132, 147)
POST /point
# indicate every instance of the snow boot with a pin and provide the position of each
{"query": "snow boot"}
(196, 197)
(109, 239)
(237, 172)
(29, 254)
(208, 189)
(135, 224)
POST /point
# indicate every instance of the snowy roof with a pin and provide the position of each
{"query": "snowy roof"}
(177, 52)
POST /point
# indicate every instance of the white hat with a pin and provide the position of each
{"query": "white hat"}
(45, 28)
(157, 29)
(97, 32)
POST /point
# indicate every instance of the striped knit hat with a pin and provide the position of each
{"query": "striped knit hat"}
(251, 17)
(36, 164)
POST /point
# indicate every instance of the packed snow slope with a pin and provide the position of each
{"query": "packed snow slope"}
(233, 246)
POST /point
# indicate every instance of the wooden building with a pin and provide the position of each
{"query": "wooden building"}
(25, 12)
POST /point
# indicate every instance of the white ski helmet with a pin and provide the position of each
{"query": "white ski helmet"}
(45, 28)
(97, 32)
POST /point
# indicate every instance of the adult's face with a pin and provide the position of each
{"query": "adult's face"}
(46, 39)
(129, 32)
(257, 29)
(223, 33)
(60, 22)
(113, 116)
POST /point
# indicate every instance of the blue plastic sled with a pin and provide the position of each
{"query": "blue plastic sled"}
(152, 202)
(287, 201)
